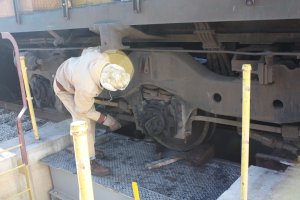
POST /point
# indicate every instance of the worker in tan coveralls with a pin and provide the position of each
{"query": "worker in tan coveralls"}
(78, 80)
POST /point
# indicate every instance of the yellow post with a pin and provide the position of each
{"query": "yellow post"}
(29, 98)
(80, 141)
(135, 189)
(245, 130)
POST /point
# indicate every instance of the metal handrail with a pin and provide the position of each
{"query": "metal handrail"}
(8, 36)
(12, 170)
(29, 98)
(18, 194)
(10, 148)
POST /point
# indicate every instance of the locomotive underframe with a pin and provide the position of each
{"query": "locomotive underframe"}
(183, 85)
(151, 12)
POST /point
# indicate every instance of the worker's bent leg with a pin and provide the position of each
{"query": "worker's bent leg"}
(68, 100)
(90, 133)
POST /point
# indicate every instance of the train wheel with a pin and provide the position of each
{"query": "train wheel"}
(163, 122)
(201, 132)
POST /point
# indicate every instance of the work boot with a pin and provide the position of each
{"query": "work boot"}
(99, 170)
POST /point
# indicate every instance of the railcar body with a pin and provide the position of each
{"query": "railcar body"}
(187, 57)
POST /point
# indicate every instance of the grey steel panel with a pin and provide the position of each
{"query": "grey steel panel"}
(155, 12)
(65, 182)
(127, 159)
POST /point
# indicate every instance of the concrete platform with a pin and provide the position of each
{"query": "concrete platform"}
(127, 159)
(54, 138)
(13, 182)
(268, 184)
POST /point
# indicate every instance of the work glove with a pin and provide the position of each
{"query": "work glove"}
(111, 123)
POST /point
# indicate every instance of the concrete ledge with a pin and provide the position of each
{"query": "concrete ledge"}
(8, 160)
(61, 176)
(268, 184)
(54, 138)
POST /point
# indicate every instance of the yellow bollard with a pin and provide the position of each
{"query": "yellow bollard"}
(245, 130)
(135, 189)
(29, 98)
(80, 141)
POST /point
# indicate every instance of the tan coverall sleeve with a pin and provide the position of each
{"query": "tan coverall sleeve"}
(84, 105)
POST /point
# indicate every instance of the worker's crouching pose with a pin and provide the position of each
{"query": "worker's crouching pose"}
(78, 80)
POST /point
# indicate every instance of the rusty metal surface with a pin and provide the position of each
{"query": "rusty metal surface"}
(180, 180)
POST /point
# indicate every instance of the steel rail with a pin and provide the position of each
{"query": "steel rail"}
(229, 122)
(261, 53)
(246, 53)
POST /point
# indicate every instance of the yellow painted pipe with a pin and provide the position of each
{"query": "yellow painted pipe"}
(29, 98)
(12, 170)
(17, 196)
(10, 148)
(245, 130)
(29, 183)
(80, 141)
(135, 189)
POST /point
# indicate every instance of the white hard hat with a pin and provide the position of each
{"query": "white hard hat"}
(113, 77)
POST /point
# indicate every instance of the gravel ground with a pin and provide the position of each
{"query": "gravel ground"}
(8, 125)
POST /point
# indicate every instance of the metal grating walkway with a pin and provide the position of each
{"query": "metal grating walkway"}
(180, 180)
